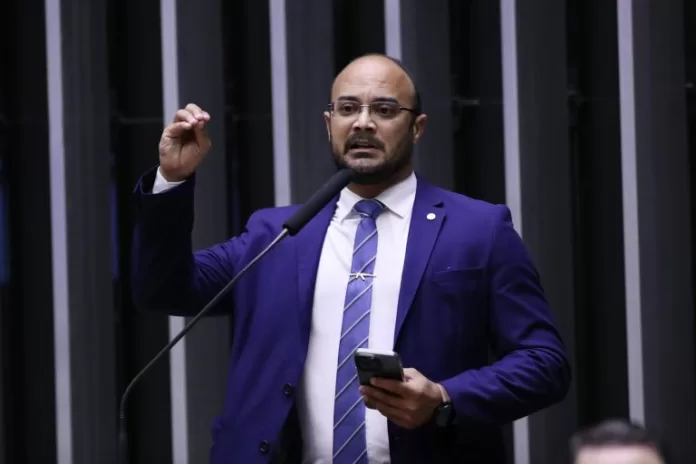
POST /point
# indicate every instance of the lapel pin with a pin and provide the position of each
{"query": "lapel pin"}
(430, 216)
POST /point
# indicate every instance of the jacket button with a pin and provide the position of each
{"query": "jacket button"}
(288, 389)
(264, 447)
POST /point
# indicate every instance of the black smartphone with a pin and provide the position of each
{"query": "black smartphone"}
(375, 363)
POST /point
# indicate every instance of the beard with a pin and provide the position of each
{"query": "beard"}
(375, 173)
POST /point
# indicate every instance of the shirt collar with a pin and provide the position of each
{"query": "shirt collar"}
(398, 199)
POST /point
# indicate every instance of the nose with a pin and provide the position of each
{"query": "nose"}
(364, 122)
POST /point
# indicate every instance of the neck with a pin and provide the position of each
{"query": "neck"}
(373, 190)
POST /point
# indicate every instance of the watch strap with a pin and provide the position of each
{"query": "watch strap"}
(443, 394)
(444, 414)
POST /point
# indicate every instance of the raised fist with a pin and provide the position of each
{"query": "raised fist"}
(184, 143)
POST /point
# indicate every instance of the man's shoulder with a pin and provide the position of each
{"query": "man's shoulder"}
(475, 220)
(473, 209)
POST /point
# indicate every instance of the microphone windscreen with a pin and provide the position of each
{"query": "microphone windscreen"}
(317, 201)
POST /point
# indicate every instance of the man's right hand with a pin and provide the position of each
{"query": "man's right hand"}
(184, 143)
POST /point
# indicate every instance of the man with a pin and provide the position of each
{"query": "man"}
(393, 263)
(617, 442)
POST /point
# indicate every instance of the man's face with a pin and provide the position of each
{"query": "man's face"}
(375, 141)
(617, 455)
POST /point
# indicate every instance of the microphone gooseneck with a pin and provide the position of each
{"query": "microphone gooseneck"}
(290, 228)
(317, 201)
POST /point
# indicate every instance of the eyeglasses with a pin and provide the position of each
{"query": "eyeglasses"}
(383, 110)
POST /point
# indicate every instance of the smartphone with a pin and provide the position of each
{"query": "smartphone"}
(375, 363)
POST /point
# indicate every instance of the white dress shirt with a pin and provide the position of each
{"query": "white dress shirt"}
(317, 389)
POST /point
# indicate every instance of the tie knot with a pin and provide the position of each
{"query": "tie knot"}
(370, 208)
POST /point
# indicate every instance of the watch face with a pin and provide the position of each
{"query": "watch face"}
(444, 415)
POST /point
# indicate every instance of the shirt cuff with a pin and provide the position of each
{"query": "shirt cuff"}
(161, 184)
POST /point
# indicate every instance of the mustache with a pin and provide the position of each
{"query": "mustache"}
(362, 138)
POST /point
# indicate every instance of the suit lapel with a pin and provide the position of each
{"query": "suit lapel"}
(308, 245)
(426, 221)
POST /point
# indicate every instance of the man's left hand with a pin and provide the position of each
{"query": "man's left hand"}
(409, 403)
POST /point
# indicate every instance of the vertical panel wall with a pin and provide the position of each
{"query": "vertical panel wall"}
(83, 320)
(537, 186)
(302, 60)
(302, 69)
(249, 115)
(135, 78)
(657, 227)
(595, 151)
(356, 33)
(26, 324)
(282, 100)
(690, 67)
(424, 42)
(169, 13)
(477, 110)
(198, 379)
(4, 268)
(477, 99)
(5, 347)
(308, 44)
(512, 174)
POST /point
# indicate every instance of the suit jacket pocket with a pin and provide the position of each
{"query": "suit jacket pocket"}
(460, 287)
(462, 290)
(469, 278)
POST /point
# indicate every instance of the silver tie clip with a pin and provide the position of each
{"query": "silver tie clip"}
(360, 275)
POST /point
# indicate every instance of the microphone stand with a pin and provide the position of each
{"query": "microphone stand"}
(122, 432)
(290, 228)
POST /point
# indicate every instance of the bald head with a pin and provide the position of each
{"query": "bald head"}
(374, 120)
(383, 72)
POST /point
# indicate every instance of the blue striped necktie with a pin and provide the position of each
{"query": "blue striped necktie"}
(349, 411)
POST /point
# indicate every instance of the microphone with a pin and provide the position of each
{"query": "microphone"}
(291, 227)
(320, 199)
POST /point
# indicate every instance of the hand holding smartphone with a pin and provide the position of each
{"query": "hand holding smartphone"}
(375, 363)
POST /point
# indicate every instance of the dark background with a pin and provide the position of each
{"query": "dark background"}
(573, 193)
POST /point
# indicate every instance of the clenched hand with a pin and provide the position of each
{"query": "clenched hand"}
(184, 143)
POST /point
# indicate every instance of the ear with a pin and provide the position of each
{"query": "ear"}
(419, 127)
(327, 120)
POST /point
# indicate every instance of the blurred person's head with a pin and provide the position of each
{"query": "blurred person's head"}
(616, 442)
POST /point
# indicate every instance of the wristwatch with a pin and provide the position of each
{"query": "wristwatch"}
(444, 414)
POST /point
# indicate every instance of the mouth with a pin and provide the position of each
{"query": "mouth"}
(362, 145)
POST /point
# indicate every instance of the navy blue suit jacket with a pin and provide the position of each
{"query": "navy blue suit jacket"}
(468, 286)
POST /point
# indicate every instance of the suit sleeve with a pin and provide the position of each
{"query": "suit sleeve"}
(167, 275)
(531, 371)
